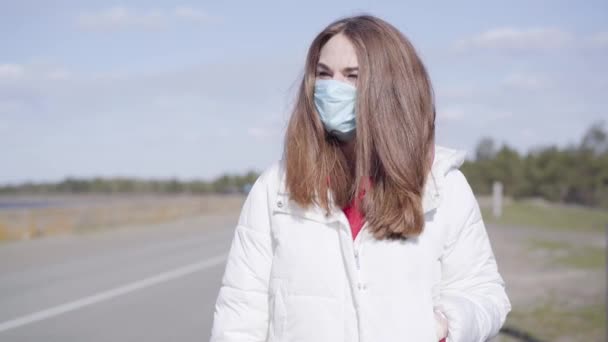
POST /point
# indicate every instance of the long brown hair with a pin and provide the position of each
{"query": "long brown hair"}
(395, 129)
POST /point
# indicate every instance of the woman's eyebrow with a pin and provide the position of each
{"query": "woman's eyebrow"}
(346, 70)
(322, 66)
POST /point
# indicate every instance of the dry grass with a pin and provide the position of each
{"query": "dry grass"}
(84, 213)
(554, 266)
(542, 214)
(556, 320)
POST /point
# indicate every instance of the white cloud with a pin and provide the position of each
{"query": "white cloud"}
(467, 112)
(10, 71)
(193, 14)
(525, 81)
(598, 40)
(23, 72)
(456, 92)
(58, 74)
(498, 114)
(268, 127)
(510, 38)
(259, 132)
(120, 18)
(10, 107)
(451, 114)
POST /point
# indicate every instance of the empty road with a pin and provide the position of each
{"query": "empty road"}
(145, 283)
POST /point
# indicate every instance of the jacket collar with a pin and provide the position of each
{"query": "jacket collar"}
(445, 160)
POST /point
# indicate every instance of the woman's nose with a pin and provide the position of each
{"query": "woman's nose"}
(339, 77)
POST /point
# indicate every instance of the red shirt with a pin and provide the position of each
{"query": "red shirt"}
(354, 216)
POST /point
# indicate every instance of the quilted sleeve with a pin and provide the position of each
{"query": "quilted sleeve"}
(241, 309)
(472, 292)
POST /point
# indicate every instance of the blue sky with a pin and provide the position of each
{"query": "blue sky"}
(194, 89)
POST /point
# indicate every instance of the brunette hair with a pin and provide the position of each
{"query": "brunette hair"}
(395, 130)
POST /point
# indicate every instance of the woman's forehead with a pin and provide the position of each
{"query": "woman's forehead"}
(338, 53)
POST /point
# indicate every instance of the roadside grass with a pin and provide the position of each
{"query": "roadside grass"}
(590, 257)
(558, 316)
(87, 214)
(555, 320)
(571, 255)
(547, 215)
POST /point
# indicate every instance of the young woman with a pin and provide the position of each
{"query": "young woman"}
(365, 230)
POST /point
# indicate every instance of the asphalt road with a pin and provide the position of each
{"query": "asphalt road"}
(143, 283)
(147, 283)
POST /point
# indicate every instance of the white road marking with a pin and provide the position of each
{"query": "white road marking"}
(109, 294)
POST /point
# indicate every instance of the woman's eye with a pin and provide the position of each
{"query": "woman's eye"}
(324, 74)
(353, 76)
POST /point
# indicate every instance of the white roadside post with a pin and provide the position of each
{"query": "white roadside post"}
(497, 199)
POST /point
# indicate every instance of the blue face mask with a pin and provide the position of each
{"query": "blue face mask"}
(335, 102)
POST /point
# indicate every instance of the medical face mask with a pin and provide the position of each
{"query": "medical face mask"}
(335, 102)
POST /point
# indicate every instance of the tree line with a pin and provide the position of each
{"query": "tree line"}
(574, 174)
(227, 183)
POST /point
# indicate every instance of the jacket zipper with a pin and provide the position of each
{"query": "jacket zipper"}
(356, 247)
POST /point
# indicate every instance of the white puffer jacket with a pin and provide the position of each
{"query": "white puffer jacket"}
(295, 275)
